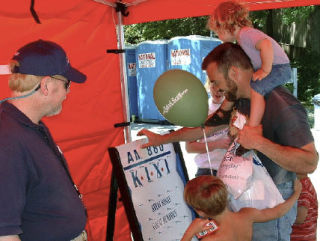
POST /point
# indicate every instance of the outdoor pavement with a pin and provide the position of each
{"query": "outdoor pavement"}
(188, 158)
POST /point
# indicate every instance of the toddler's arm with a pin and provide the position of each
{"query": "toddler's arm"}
(266, 55)
(282, 208)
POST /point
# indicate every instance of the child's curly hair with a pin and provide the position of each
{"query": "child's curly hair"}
(228, 15)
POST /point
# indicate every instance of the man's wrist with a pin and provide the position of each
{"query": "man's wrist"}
(259, 144)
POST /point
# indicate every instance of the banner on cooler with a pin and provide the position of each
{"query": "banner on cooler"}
(132, 71)
(147, 60)
(180, 57)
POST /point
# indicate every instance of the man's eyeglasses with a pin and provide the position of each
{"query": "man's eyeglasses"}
(66, 82)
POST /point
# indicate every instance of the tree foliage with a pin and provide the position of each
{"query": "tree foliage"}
(166, 29)
(308, 66)
(258, 19)
(307, 62)
(291, 15)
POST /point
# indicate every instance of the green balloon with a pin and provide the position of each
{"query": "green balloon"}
(181, 98)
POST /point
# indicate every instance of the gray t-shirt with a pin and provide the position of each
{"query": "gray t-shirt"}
(248, 38)
(284, 122)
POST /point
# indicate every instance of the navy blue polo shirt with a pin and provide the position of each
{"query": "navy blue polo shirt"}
(37, 198)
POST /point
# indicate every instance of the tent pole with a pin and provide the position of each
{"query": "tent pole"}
(123, 78)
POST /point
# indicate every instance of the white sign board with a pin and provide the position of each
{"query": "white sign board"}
(147, 60)
(156, 189)
(180, 57)
(132, 69)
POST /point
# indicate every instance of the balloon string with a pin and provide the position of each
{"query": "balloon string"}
(205, 140)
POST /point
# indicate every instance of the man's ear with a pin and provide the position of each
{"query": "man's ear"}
(233, 73)
(44, 85)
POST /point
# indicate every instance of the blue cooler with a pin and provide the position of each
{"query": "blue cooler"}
(151, 58)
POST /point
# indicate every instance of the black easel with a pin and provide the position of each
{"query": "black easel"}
(118, 181)
(125, 197)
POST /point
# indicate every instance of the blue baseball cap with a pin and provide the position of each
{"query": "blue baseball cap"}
(46, 58)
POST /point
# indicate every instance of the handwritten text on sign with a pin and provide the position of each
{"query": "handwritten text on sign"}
(147, 60)
(180, 57)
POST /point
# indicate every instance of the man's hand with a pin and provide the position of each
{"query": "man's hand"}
(154, 139)
(249, 136)
(301, 160)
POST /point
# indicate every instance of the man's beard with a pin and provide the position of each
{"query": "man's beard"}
(231, 95)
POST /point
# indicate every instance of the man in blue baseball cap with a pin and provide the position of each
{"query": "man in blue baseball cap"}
(38, 199)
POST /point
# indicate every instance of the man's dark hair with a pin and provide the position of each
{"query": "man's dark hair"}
(226, 55)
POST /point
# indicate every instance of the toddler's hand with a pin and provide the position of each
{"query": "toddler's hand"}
(259, 75)
(297, 186)
(198, 225)
(195, 227)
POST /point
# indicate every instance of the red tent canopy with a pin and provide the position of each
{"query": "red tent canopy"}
(84, 130)
(172, 9)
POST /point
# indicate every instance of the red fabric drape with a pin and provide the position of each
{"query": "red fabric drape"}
(84, 130)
